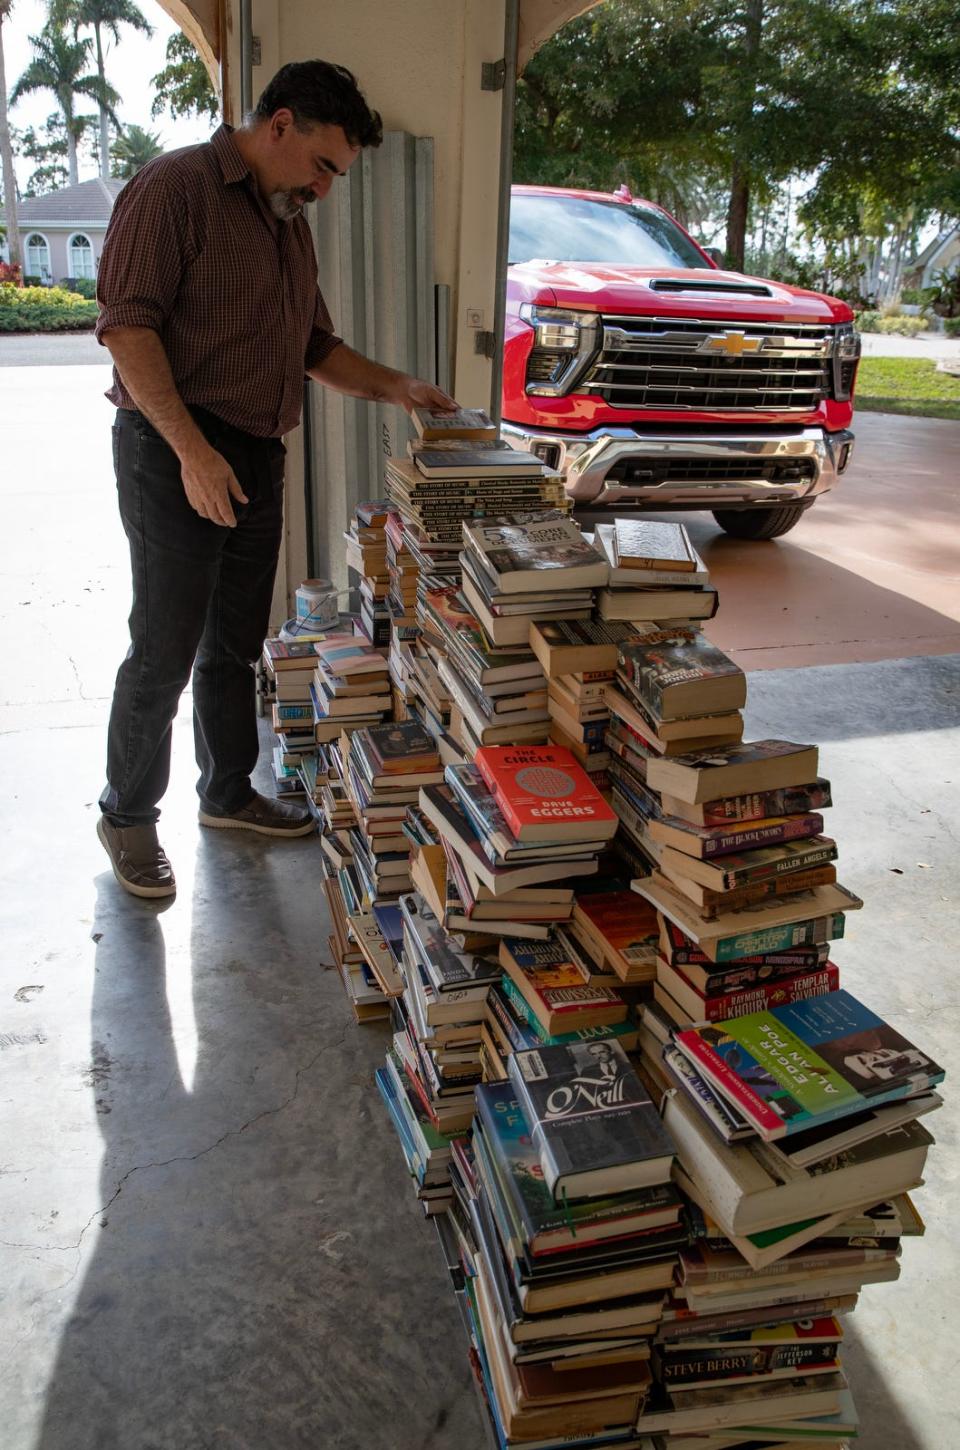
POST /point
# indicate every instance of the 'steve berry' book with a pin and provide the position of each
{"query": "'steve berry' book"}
(797, 1067)
(593, 1124)
(544, 794)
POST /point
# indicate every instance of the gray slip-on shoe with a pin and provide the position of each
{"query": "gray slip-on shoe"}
(138, 860)
(266, 817)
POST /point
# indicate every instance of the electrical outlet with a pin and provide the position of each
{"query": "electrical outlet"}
(474, 317)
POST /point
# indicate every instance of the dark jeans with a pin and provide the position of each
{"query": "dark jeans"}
(201, 601)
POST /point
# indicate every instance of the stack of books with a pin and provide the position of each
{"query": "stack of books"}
(366, 542)
(569, 1228)
(655, 574)
(350, 688)
(579, 659)
(458, 469)
(798, 1138)
(747, 909)
(288, 669)
(385, 767)
(404, 578)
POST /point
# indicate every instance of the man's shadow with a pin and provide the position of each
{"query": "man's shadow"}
(246, 1291)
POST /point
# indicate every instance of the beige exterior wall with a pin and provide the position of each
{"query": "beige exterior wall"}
(419, 63)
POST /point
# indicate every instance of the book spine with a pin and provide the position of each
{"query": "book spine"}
(692, 1366)
(738, 1093)
(776, 938)
(761, 997)
(783, 801)
(756, 891)
(792, 960)
(772, 833)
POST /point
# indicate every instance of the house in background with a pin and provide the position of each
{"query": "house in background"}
(62, 233)
(941, 255)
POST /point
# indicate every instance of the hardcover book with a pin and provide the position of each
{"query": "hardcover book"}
(682, 674)
(790, 1068)
(479, 463)
(447, 969)
(522, 558)
(463, 423)
(546, 1225)
(568, 646)
(556, 988)
(814, 917)
(747, 850)
(545, 795)
(648, 544)
(401, 748)
(593, 1124)
(795, 800)
(734, 770)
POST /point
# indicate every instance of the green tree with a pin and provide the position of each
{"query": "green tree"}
(183, 86)
(134, 149)
(60, 65)
(102, 16)
(746, 94)
(11, 229)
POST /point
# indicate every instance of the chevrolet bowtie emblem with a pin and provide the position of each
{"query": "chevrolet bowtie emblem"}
(733, 344)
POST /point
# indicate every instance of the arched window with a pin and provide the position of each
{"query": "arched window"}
(38, 257)
(81, 257)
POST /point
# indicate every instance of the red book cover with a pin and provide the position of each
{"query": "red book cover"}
(717, 1008)
(544, 794)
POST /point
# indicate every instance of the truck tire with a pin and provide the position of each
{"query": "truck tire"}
(764, 523)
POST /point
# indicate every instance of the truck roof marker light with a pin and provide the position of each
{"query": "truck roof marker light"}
(623, 193)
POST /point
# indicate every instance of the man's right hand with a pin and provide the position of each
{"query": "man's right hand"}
(210, 483)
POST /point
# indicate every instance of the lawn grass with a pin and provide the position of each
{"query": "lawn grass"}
(907, 385)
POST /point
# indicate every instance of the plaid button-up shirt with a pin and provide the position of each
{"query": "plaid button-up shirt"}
(194, 252)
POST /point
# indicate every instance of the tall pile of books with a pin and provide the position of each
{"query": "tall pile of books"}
(570, 1230)
(794, 1109)
(366, 542)
(350, 686)
(458, 469)
(597, 865)
(289, 667)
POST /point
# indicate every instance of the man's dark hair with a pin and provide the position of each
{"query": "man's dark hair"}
(321, 94)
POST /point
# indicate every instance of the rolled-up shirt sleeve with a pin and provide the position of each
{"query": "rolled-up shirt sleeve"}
(322, 338)
(145, 251)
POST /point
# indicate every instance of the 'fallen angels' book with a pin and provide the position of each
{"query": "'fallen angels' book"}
(593, 1124)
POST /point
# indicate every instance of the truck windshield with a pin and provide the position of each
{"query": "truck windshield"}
(574, 229)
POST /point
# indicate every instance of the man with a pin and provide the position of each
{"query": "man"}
(211, 312)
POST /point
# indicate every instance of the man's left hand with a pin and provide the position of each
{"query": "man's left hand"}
(415, 393)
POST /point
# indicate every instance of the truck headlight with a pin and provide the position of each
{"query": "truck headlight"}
(846, 357)
(564, 345)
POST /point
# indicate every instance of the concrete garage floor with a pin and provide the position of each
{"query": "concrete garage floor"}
(207, 1239)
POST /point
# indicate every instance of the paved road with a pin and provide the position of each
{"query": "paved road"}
(872, 572)
(50, 349)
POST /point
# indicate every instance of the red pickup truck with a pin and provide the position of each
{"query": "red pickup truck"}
(652, 379)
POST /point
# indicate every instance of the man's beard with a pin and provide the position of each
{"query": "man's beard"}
(286, 205)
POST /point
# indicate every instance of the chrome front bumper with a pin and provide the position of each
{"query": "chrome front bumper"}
(587, 459)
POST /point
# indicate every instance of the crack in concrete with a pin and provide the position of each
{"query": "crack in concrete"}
(181, 1158)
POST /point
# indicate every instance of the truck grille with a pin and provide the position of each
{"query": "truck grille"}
(653, 471)
(677, 364)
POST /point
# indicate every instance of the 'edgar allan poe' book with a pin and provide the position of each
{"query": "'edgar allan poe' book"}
(791, 1068)
(594, 1126)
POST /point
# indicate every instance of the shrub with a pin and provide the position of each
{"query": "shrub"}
(10, 273)
(900, 326)
(83, 286)
(31, 281)
(951, 326)
(913, 296)
(44, 309)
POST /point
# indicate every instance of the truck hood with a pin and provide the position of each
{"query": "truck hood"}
(660, 291)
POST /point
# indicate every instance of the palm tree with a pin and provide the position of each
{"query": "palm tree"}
(102, 15)
(60, 65)
(134, 149)
(6, 156)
